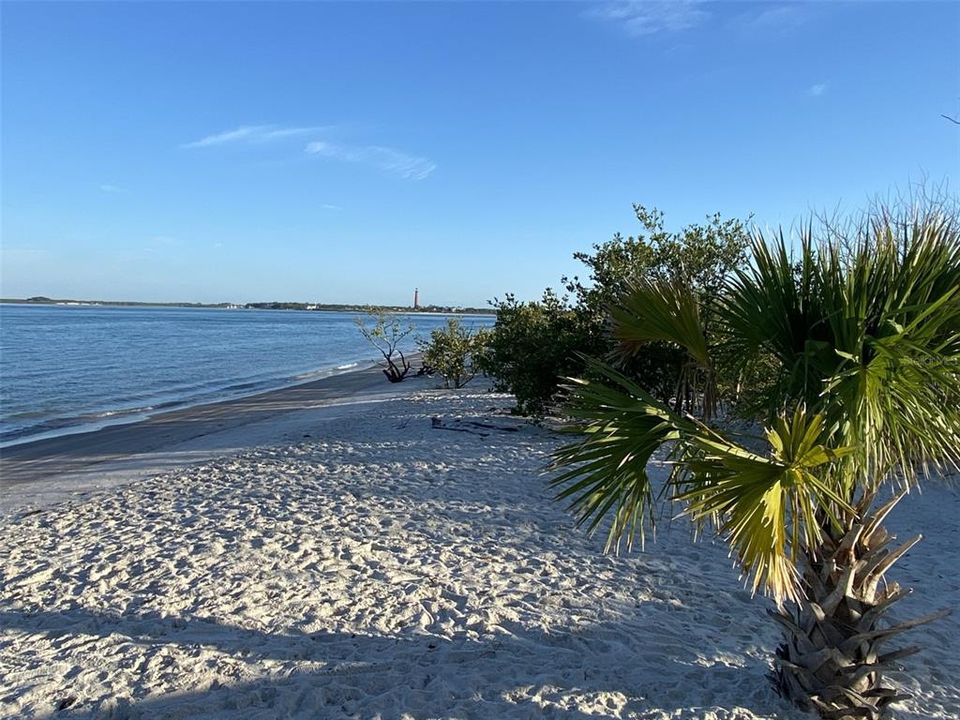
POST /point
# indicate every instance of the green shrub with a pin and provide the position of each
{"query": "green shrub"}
(534, 344)
(452, 352)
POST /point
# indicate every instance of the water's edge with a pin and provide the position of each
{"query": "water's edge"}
(123, 416)
(68, 370)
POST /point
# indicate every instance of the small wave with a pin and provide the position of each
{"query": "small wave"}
(25, 432)
(107, 413)
(99, 415)
(323, 372)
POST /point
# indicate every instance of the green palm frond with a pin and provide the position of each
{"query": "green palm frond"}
(893, 312)
(863, 344)
(773, 310)
(661, 311)
(768, 508)
(606, 471)
(867, 335)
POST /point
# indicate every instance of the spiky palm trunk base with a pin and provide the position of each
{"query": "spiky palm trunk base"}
(831, 658)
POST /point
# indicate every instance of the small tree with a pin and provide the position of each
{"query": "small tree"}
(452, 352)
(385, 334)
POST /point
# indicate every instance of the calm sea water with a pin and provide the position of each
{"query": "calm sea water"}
(70, 368)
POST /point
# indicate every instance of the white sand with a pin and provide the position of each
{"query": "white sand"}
(387, 569)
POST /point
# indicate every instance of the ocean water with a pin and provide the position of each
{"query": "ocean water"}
(71, 368)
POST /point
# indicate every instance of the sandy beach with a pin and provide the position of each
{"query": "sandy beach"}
(70, 465)
(351, 549)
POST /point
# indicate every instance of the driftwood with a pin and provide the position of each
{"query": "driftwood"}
(501, 428)
(437, 424)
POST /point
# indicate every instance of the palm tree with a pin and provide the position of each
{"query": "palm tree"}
(861, 346)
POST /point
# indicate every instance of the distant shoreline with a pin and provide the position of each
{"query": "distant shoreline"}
(304, 307)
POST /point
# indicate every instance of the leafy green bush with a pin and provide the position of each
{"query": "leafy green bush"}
(452, 352)
(531, 345)
(534, 344)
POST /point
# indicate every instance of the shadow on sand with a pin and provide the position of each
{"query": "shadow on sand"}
(333, 675)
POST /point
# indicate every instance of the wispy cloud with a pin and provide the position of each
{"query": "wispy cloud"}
(107, 188)
(773, 17)
(647, 18)
(252, 134)
(331, 206)
(386, 159)
(394, 162)
(817, 90)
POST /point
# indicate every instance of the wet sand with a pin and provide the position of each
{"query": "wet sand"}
(39, 472)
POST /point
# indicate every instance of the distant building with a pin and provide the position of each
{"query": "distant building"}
(416, 298)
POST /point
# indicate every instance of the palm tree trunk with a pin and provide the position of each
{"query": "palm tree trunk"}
(832, 658)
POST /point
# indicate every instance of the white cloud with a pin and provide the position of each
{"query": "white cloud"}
(389, 160)
(647, 18)
(107, 188)
(252, 134)
(817, 90)
(330, 206)
(394, 162)
(228, 136)
(773, 17)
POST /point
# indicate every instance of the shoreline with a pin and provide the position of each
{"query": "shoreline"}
(128, 416)
(38, 472)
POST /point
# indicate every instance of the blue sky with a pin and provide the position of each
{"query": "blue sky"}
(350, 152)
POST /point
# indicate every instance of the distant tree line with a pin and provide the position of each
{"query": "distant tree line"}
(321, 307)
(445, 309)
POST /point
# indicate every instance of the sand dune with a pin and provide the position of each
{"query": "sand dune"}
(388, 568)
